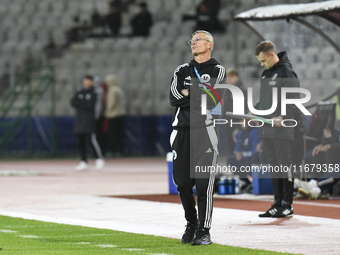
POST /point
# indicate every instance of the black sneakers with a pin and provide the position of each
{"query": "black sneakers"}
(284, 212)
(202, 237)
(189, 233)
(278, 212)
(270, 213)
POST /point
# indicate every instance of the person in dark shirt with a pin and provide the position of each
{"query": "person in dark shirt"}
(325, 159)
(113, 21)
(233, 78)
(84, 102)
(194, 139)
(247, 149)
(142, 22)
(207, 16)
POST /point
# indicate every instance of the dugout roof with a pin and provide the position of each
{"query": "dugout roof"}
(329, 10)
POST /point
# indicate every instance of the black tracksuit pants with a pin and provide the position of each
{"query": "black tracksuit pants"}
(82, 142)
(116, 134)
(278, 152)
(185, 158)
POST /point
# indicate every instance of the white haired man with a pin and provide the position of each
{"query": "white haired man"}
(194, 139)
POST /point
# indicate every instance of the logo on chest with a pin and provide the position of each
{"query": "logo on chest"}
(273, 81)
(205, 78)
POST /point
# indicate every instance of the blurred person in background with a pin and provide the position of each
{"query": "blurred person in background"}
(248, 148)
(113, 21)
(115, 113)
(248, 151)
(207, 16)
(84, 101)
(231, 131)
(100, 106)
(142, 22)
(325, 155)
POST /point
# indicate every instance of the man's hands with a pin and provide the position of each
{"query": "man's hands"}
(316, 149)
(327, 133)
(185, 92)
(325, 147)
(319, 148)
(239, 156)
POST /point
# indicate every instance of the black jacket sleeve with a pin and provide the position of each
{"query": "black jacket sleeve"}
(176, 97)
(75, 101)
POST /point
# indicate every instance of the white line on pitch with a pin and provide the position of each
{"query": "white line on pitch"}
(7, 231)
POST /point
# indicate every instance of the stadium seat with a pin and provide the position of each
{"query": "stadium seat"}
(150, 43)
(331, 71)
(136, 43)
(102, 7)
(29, 9)
(327, 55)
(58, 6)
(187, 28)
(8, 22)
(120, 43)
(45, 6)
(312, 55)
(59, 37)
(300, 70)
(15, 8)
(38, 21)
(158, 30)
(182, 42)
(154, 5)
(87, 7)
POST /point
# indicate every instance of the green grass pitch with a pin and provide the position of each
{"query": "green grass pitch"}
(20, 236)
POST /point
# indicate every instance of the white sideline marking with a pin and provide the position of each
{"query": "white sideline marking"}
(29, 236)
(83, 243)
(315, 204)
(158, 254)
(7, 231)
(79, 235)
(131, 249)
(106, 245)
(88, 235)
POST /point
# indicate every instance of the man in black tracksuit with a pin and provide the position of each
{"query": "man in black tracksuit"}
(84, 102)
(277, 139)
(194, 139)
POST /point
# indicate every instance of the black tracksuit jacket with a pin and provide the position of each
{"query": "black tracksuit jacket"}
(185, 78)
(84, 102)
(279, 76)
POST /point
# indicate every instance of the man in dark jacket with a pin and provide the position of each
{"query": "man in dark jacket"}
(84, 102)
(194, 139)
(113, 21)
(233, 78)
(277, 139)
(142, 22)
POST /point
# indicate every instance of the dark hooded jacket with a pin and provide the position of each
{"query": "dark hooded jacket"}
(281, 75)
(185, 77)
(84, 102)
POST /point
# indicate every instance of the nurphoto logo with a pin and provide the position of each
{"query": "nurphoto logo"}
(238, 104)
